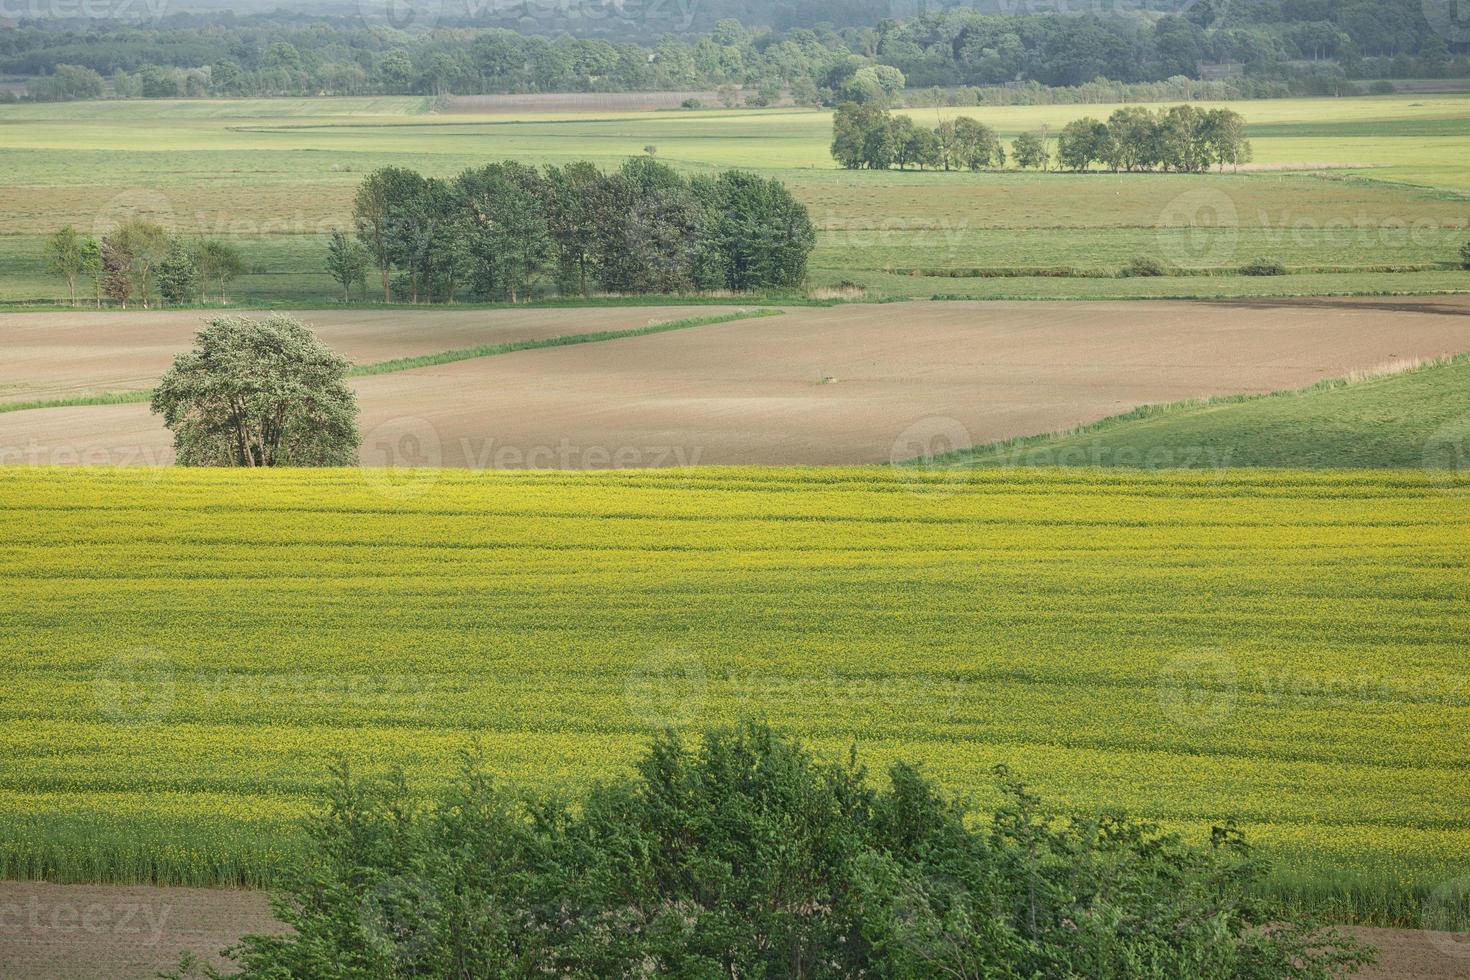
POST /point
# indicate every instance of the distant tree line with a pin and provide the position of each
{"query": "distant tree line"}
(1183, 139)
(508, 231)
(140, 262)
(786, 49)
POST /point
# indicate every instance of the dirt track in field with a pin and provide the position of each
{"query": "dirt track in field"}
(60, 355)
(900, 379)
(117, 932)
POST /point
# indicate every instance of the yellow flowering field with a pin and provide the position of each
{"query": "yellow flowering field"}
(185, 652)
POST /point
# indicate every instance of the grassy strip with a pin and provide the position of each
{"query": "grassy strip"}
(490, 350)
(106, 398)
(1073, 272)
(42, 305)
(1001, 451)
(428, 360)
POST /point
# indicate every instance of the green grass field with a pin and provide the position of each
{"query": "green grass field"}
(276, 175)
(1418, 418)
(1284, 649)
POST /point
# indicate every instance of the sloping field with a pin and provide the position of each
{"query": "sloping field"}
(187, 651)
(839, 385)
(1413, 415)
(80, 352)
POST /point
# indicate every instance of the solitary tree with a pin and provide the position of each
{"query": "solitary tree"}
(347, 262)
(64, 257)
(259, 393)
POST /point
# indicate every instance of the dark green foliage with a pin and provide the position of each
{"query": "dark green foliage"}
(745, 857)
(761, 235)
(1465, 255)
(178, 274)
(855, 51)
(503, 229)
(1263, 267)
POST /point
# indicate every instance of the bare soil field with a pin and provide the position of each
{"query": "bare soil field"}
(841, 385)
(121, 932)
(71, 932)
(58, 355)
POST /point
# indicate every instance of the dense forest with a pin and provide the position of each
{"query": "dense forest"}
(1258, 41)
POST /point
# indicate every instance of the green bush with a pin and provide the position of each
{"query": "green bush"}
(1142, 266)
(1465, 255)
(1263, 267)
(745, 857)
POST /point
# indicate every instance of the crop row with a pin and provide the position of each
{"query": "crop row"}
(186, 652)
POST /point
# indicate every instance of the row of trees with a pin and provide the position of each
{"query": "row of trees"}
(140, 261)
(510, 231)
(288, 54)
(1181, 138)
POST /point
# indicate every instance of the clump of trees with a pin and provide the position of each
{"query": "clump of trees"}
(259, 393)
(867, 136)
(1182, 138)
(743, 856)
(139, 261)
(508, 231)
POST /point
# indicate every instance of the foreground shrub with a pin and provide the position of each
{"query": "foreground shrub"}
(1143, 266)
(744, 857)
(1465, 255)
(1263, 267)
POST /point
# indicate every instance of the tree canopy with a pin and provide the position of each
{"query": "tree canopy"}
(508, 231)
(259, 393)
(744, 856)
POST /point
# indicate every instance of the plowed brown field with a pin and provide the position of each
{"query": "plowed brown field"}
(847, 384)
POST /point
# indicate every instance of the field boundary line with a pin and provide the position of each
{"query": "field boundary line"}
(397, 364)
